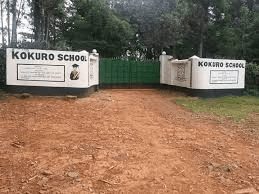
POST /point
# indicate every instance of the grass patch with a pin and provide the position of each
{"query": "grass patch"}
(236, 108)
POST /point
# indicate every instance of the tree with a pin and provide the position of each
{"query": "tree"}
(94, 25)
(143, 28)
(14, 24)
(46, 14)
(146, 17)
(8, 22)
(2, 22)
(17, 10)
(231, 34)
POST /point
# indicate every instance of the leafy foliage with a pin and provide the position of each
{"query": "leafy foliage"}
(94, 25)
(252, 79)
(142, 28)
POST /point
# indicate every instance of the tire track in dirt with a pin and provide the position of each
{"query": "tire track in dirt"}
(121, 141)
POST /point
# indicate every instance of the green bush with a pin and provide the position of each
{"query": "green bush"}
(252, 79)
(252, 71)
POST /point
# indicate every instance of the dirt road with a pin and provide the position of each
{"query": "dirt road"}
(121, 142)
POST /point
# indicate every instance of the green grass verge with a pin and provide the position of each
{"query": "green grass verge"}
(237, 108)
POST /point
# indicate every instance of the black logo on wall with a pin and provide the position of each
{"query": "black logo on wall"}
(181, 73)
(75, 74)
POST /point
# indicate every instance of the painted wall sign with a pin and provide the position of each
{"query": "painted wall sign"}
(218, 73)
(224, 77)
(46, 73)
(217, 64)
(202, 73)
(45, 56)
(48, 68)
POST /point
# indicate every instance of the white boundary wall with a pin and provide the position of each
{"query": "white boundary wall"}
(203, 73)
(93, 69)
(50, 68)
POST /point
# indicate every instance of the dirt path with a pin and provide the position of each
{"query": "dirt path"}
(121, 142)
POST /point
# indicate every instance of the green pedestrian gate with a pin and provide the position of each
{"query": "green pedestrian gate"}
(116, 73)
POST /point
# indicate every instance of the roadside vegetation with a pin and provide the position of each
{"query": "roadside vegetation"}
(116, 28)
(236, 108)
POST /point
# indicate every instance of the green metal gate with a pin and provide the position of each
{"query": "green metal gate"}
(129, 73)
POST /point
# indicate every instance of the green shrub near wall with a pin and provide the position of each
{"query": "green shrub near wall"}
(252, 79)
(2, 68)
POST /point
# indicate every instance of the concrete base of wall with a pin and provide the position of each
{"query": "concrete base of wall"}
(52, 91)
(217, 93)
(129, 86)
(84, 92)
(210, 93)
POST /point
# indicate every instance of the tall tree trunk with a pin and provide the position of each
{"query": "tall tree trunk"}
(19, 12)
(201, 42)
(42, 18)
(14, 25)
(46, 28)
(2, 24)
(54, 32)
(37, 20)
(203, 27)
(8, 23)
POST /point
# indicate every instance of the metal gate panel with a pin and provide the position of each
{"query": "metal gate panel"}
(129, 72)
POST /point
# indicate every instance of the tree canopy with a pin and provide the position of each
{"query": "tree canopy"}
(140, 28)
